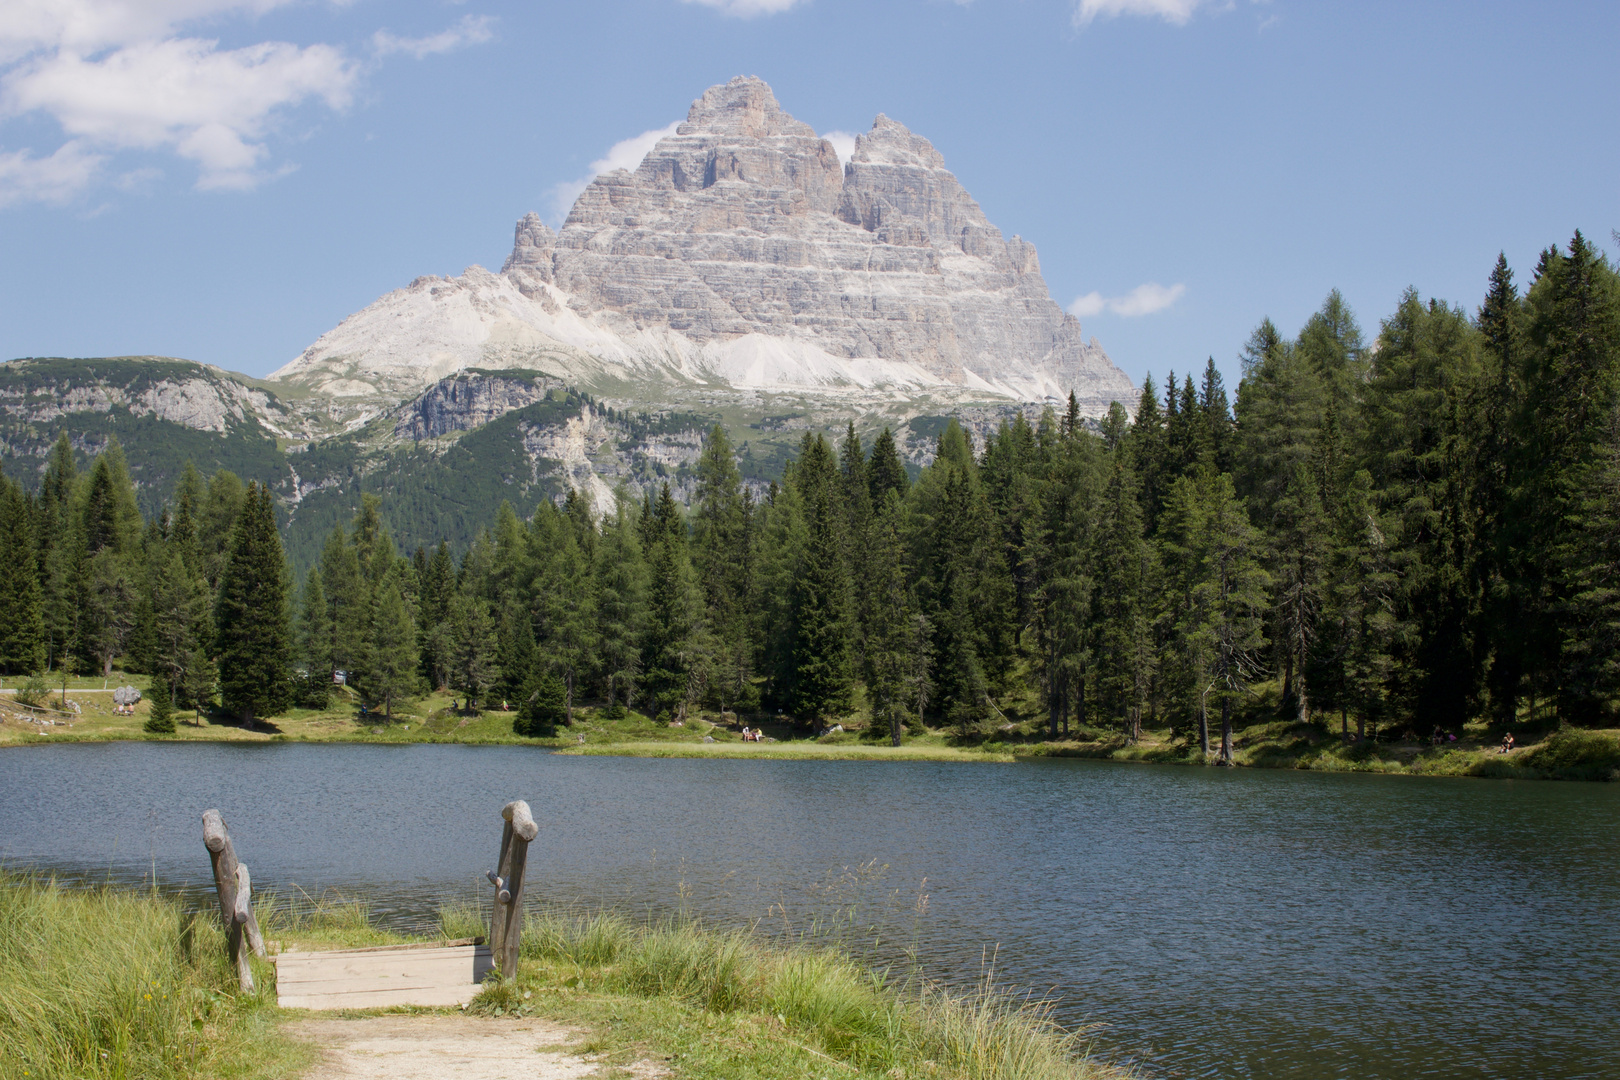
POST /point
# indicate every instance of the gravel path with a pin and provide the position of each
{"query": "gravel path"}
(450, 1048)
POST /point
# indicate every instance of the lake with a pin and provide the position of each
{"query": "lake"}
(1213, 923)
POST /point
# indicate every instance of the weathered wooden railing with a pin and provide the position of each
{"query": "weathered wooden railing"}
(506, 923)
(235, 897)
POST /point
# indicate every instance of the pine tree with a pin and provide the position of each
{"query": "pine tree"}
(252, 635)
(1215, 554)
(889, 613)
(672, 646)
(542, 706)
(179, 613)
(22, 625)
(393, 669)
(1124, 648)
(160, 720)
(621, 611)
(315, 642)
(885, 471)
(56, 554)
(473, 666)
(348, 603)
(822, 676)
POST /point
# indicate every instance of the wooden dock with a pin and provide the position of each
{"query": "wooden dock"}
(382, 977)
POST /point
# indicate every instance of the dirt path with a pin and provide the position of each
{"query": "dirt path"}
(450, 1048)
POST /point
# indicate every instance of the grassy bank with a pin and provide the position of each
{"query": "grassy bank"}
(726, 1004)
(1557, 754)
(1543, 752)
(127, 985)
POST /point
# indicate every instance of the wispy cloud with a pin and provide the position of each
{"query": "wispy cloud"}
(1176, 12)
(1145, 299)
(118, 75)
(55, 179)
(747, 9)
(624, 154)
(471, 30)
(843, 142)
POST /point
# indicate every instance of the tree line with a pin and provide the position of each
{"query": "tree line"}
(1422, 529)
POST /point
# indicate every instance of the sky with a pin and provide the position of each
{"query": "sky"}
(225, 180)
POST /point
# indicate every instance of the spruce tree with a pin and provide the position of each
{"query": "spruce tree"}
(822, 676)
(160, 700)
(885, 472)
(393, 669)
(621, 606)
(473, 665)
(252, 636)
(315, 641)
(22, 625)
(671, 645)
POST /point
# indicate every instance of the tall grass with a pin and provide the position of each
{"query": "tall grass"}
(818, 992)
(123, 985)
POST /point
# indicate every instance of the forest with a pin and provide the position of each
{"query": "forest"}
(1417, 530)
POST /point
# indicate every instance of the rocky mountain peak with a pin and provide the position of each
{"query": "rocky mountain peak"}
(744, 106)
(742, 252)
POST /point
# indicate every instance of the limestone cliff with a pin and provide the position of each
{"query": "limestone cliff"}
(741, 254)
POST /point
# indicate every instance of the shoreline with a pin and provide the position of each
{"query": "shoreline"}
(1577, 755)
(1544, 754)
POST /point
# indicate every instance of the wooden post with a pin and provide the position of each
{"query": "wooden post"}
(506, 921)
(235, 889)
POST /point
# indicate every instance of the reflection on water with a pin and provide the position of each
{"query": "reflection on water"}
(1217, 923)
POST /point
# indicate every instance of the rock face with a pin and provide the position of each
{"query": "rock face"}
(462, 404)
(740, 252)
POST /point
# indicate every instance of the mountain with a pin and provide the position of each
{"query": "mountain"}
(741, 259)
(740, 274)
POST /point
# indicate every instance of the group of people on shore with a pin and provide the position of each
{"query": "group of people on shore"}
(752, 734)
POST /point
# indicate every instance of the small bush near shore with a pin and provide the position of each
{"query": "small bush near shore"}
(125, 986)
(1574, 753)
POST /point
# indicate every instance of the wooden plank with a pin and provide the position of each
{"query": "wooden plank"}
(416, 945)
(435, 997)
(382, 977)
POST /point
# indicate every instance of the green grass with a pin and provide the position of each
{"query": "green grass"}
(126, 986)
(109, 984)
(727, 1003)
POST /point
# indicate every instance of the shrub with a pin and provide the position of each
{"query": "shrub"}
(1574, 753)
(35, 692)
(544, 706)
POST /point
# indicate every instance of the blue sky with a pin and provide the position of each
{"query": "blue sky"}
(224, 180)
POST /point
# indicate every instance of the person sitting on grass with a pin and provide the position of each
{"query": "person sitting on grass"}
(1507, 743)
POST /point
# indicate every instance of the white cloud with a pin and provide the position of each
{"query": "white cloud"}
(56, 179)
(87, 26)
(118, 75)
(747, 9)
(843, 142)
(471, 30)
(624, 154)
(1145, 299)
(1176, 12)
(208, 105)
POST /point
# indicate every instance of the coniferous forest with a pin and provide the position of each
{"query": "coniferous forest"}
(1416, 529)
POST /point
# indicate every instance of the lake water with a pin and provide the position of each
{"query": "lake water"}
(1214, 923)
